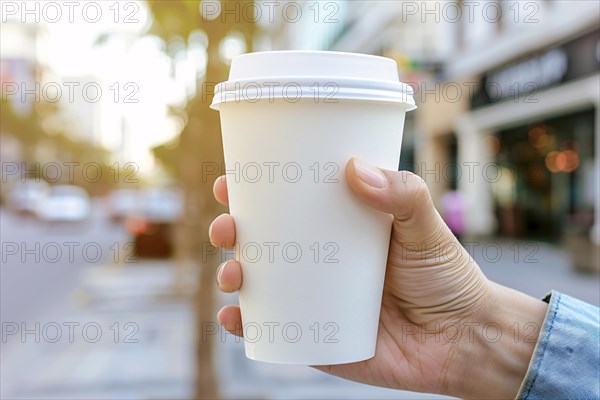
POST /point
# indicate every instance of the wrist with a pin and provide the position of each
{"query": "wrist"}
(496, 357)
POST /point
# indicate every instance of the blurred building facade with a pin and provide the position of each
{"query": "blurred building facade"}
(520, 139)
(508, 104)
(50, 121)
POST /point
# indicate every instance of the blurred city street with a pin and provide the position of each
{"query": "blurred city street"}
(538, 268)
(32, 282)
(104, 329)
(148, 355)
(114, 131)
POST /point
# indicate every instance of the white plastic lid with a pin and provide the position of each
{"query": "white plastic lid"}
(322, 75)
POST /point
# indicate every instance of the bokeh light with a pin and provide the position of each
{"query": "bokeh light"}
(551, 162)
(564, 161)
(567, 160)
(231, 46)
(538, 137)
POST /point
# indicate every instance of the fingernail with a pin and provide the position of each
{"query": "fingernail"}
(368, 174)
(220, 272)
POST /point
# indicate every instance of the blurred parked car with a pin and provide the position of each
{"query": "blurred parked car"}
(152, 227)
(122, 203)
(24, 196)
(64, 203)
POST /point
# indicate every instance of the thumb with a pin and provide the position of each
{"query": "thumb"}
(433, 275)
(401, 193)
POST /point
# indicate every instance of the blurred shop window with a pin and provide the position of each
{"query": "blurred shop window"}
(544, 190)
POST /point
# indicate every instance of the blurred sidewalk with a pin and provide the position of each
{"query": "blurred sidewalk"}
(144, 349)
(534, 267)
(147, 336)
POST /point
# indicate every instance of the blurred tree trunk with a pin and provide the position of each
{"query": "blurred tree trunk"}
(200, 150)
(200, 156)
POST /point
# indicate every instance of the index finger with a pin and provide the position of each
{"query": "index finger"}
(220, 190)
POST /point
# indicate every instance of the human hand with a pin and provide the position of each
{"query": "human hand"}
(437, 305)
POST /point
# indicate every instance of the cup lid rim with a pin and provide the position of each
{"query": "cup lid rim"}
(354, 75)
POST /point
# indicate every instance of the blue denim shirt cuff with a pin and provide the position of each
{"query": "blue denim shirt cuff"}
(565, 361)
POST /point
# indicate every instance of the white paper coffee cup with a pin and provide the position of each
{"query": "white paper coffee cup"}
(313, 255)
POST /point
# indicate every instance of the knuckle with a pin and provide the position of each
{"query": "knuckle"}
(415, 195)
(416, 187)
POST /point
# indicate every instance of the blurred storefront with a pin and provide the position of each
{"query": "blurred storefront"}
(523, 136)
